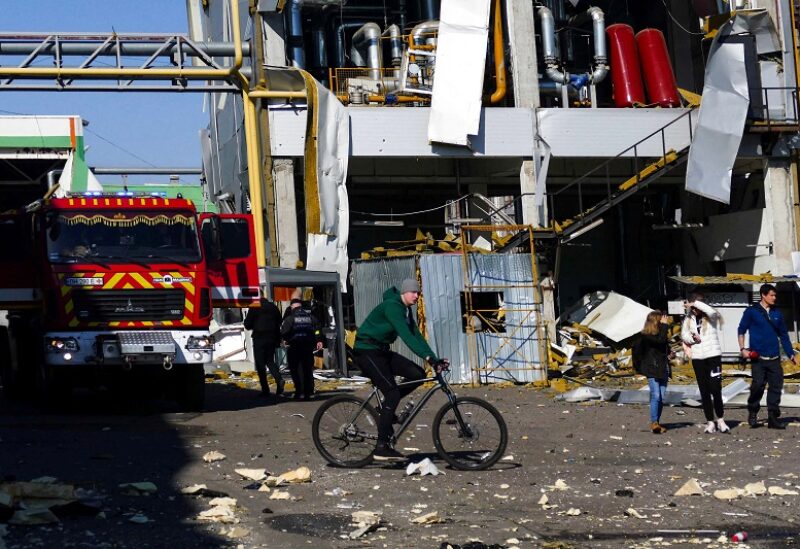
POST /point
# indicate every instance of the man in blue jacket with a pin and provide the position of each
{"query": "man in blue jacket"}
(767, 334)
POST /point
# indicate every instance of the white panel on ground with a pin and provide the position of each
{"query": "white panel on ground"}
(720, 125)
(460, 61)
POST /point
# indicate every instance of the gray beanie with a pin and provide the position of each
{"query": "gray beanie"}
(409, 285)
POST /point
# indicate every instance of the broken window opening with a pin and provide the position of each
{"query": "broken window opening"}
(487, 313)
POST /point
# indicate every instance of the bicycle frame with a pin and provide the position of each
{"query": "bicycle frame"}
(441, 384)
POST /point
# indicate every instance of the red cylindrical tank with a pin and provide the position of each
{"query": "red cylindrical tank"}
(626, 74)
(662, 90)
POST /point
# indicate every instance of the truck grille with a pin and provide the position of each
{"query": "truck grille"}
(122, 305)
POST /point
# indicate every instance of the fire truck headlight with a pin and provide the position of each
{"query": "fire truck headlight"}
(200, 343)
(62, 344)
(67, 356)
(198, 356)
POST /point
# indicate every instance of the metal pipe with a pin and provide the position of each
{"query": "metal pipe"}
(419, 32)
(339, 42)
(429, 9)
(93, 45)
(319, 40)
(395, 44)
(294, 33)
(499, 56)
(368, 37)
(549, 46)
(254, 176)
(115, 72)
(600, 54)
(276, 94)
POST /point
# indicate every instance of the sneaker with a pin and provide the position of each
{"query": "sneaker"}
(710, 428)
(657, 428)
(722, 427)
(387, 453)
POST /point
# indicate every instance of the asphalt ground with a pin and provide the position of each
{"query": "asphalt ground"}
(618, 480)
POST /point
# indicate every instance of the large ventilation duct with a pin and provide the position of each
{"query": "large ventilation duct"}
(422, 33)
(549, 46)
(395, 44)
(294, 33)
(366, 49)
(600, 55)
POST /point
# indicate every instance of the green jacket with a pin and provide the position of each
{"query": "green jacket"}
(387, 321)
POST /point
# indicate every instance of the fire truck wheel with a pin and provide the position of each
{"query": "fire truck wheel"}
(191, 393)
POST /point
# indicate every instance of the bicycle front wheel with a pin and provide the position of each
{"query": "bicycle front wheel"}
(480, 443)
(345, 431)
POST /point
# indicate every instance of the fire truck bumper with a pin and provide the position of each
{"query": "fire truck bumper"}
(128, 347)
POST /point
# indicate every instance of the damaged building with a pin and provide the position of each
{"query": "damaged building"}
(583, 119)
(649, 145)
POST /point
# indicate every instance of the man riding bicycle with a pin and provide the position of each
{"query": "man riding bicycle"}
(387, 321)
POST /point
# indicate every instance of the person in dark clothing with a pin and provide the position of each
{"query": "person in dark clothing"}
(651, 359)
(265, 323)
(390, 319)
(768, 333)
(300, 331)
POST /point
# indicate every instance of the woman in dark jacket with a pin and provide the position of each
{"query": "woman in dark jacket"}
(653, 362)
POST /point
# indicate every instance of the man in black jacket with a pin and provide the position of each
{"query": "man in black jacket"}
(300, 331)
(265, 322)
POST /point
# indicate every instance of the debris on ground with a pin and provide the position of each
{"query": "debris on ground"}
(299, 475)
(424, 467)
(138, 488)
(252, 474)
(429, 518)
(212, 456)
(202, 490)
(222, 510)
(364, 521)
(690, 488)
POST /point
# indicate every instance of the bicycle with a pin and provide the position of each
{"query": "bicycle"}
(468, 432)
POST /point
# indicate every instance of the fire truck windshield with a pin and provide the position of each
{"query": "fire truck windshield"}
(107, 237)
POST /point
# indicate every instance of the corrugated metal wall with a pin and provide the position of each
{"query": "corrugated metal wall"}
(442, 284)
(372, 278)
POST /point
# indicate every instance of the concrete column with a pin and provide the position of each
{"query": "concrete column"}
(522, 46)
(779, 197)
(285, 212)
(282, 168)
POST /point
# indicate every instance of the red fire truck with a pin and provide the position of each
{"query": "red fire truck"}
(104, 286)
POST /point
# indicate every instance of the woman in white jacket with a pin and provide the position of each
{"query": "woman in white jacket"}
(700, 331)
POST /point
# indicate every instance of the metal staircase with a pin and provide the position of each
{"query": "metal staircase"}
(646, 171)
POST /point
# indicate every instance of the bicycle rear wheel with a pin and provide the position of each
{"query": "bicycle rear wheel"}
(344, 433)
(477, 447)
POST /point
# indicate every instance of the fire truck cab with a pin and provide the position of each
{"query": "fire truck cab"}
(100, 285)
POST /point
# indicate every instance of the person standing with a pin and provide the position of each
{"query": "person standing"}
(768, 333)
(388, 320)
(265, 323)
(700, 331)
(300, 331)
(651, 359)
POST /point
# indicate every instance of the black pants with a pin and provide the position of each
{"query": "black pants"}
(300, 356)
(766, 372)
(382, 367)
(708, 372)
(264, 357)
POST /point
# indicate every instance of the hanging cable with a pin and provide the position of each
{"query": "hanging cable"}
(406, 214)
(684, 29)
